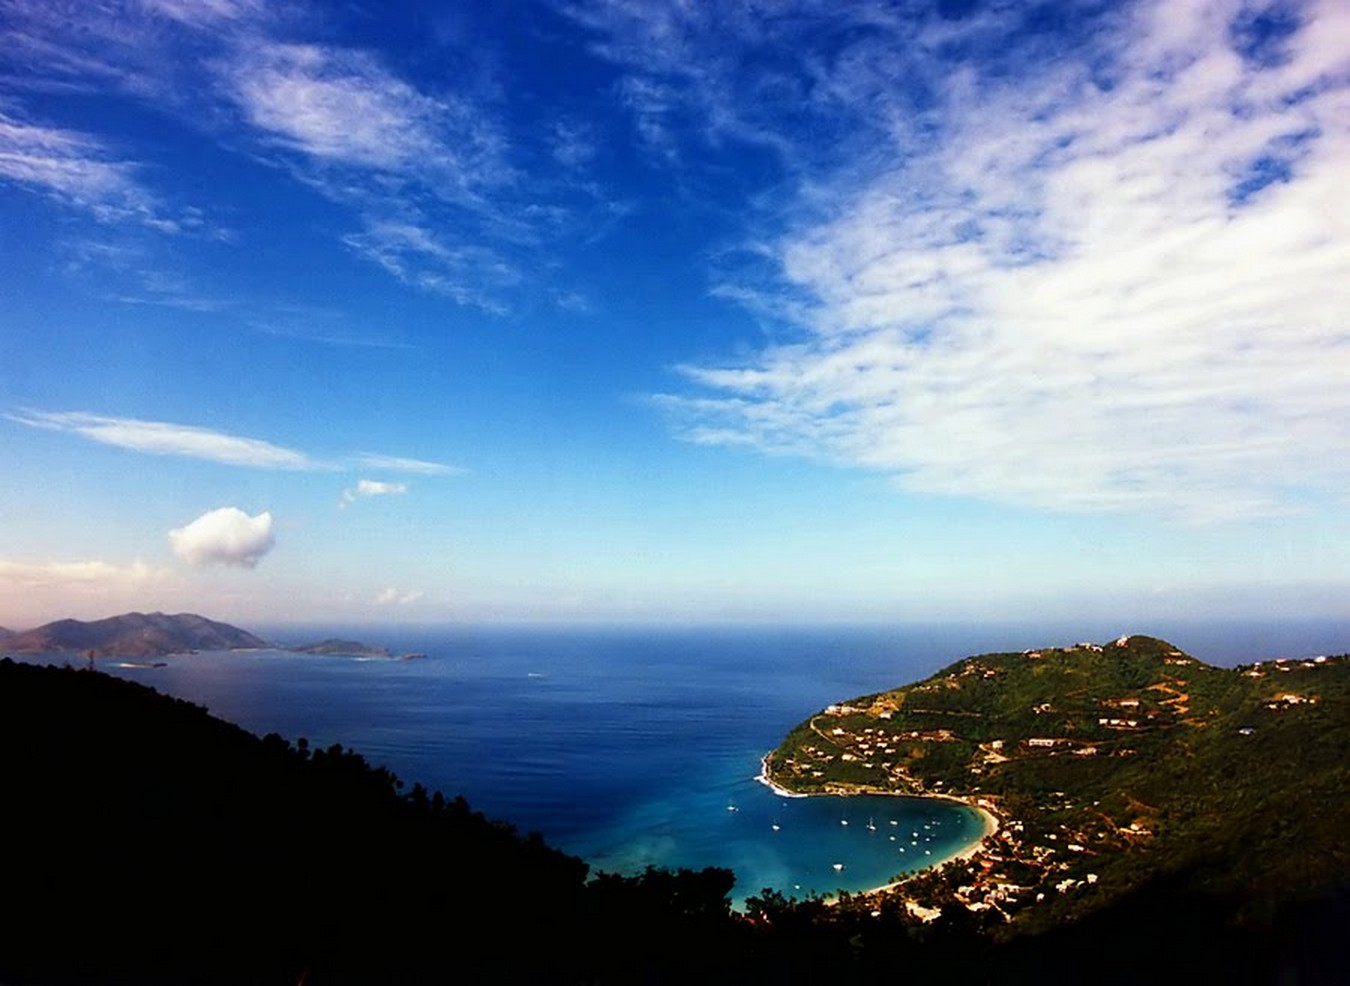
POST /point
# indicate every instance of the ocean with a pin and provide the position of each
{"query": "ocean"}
(640, 746)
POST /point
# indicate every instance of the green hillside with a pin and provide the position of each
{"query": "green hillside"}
(1109, 766)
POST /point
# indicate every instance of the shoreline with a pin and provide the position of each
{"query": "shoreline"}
(764, 778)
(991, 826)
(991, 822)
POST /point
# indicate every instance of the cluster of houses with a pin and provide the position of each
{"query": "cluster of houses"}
(1014, 870)
(1285, 664)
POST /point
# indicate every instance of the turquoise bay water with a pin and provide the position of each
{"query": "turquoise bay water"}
(632, 747)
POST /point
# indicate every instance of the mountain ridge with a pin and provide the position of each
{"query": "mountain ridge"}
(138, 635)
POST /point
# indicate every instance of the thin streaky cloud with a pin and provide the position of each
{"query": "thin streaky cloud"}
(163, 438)
(427, 174)
(395, 463)
(470, 274)
(343, 108)
(206, 13)
(336, 106)
(344, 122)
(87, 575)
(78, 170)
(193, 442)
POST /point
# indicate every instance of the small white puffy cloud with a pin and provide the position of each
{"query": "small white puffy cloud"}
(226, 536)
(370, 487)
(393, 597)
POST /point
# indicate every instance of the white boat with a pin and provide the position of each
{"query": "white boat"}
(838, 867)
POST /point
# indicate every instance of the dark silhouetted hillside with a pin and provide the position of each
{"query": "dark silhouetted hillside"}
(147, 842)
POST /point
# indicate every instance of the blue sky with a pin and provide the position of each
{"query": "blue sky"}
(616, 310)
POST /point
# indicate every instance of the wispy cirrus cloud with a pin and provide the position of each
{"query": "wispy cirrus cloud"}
(428, 176)
(1108, 279)
(206, 13)
(396, 463)
(468, 273)
(209, 445)
(164, 438)
(80, 171)
(342, 107)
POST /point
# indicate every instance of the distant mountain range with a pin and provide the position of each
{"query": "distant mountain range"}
(130, 635)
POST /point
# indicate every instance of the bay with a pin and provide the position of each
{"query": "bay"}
(640, 746)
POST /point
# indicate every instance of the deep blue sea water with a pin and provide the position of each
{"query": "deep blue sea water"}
(632, 746)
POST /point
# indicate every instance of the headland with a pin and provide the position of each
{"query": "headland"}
(1092, 767)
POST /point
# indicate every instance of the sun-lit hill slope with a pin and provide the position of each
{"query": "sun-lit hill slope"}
(1111, 766)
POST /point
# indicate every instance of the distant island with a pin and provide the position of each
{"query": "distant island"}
(134, 635)
(336, 647)
(150, 635)
(1109, 766)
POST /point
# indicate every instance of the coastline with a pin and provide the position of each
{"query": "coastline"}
(991, 826)
(991, 822)
(764, 778)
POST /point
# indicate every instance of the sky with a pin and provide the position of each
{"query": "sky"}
(616, 310)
